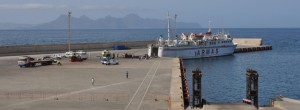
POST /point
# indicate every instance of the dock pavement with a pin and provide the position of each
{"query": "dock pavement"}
(69, 87)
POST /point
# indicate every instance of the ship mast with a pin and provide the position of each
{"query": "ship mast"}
(168, 29)
(209, 25)
(176, 37)
(223, 29)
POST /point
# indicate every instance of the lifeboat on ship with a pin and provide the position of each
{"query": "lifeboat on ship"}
(196, 36)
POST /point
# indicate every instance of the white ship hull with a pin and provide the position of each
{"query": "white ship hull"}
(195, 52)
(193, 45)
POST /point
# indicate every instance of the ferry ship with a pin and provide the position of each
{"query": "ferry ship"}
(193, 45)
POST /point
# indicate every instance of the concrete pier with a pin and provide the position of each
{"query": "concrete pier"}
(242, 49)
(284, 103)
(225, 106)
(69, 87)
(250, 45)
(248, 41)
(176, 95)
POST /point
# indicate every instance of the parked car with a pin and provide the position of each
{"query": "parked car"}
(47, 58)
(103, 59)
(76, 58)
(111, 62)
(82, 54)
(56, 56)
(69, 54)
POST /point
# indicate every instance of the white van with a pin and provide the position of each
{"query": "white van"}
(82, 54)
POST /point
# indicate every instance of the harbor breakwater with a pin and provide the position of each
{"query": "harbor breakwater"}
(250, 45)
(248, 41)
(24, 49)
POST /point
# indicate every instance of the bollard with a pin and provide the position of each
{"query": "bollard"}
(252, 86)
(197, 96)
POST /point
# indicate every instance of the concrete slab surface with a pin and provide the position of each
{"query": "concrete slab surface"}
(287, 104)
(69, 87)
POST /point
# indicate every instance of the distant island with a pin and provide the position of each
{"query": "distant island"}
(131, 21)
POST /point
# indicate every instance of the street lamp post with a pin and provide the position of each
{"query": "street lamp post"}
(69, 30)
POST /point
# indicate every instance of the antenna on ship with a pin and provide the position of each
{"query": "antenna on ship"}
(223, 32)
(168, 29)
(209, 25)
(69, 30)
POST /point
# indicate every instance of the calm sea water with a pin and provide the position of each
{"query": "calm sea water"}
(36, 37)
(223, 77)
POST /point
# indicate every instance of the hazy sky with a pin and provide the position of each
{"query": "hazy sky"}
(223, 13)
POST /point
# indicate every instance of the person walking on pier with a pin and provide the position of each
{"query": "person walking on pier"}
(127, 74)
(93, 81)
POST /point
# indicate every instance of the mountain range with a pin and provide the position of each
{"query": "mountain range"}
(131, 21)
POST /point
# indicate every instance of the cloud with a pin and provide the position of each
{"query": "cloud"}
(30, 6)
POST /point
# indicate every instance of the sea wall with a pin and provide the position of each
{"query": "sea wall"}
(248, 41)
(9, 50)
(24, 49)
